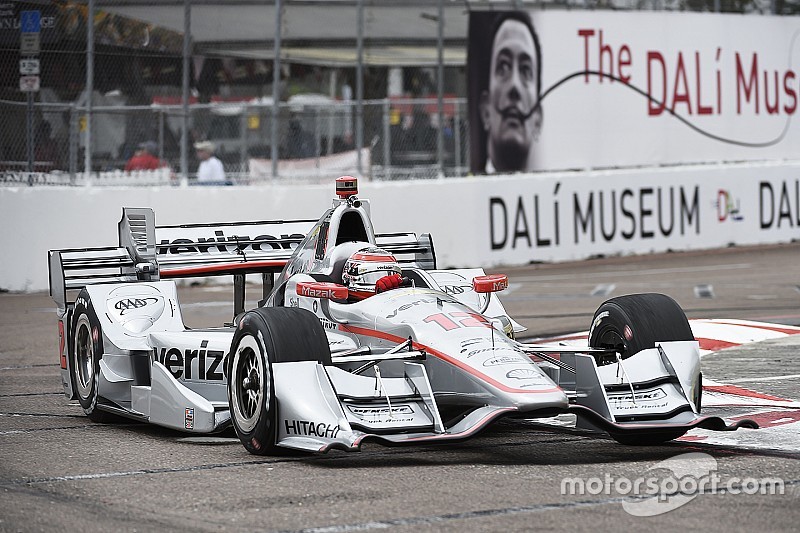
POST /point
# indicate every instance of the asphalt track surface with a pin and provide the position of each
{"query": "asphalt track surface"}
(60, 472)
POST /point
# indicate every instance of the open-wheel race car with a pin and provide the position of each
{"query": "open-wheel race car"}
(359, 338)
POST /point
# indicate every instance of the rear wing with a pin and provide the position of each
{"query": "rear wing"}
(190, 250)
(409, 249)
(147, 252)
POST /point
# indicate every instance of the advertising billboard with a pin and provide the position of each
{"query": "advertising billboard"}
(585, 89)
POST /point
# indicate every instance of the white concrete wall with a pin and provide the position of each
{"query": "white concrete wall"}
(474, 221)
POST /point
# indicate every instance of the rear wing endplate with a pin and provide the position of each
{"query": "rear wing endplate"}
(147, 252)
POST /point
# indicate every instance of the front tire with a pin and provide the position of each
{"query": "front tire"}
(635, 322)
(250, 391)
(87, 350)
(265, 336)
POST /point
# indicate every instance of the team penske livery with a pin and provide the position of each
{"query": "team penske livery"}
(359, 338)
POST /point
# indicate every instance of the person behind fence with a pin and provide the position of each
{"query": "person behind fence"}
(145, 158)
(301, 143)
(46, 152)
(210, 169)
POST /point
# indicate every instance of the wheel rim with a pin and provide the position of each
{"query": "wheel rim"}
(84, 358)
(249, 384)
(611, 338)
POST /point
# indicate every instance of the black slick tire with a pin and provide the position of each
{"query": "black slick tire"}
(85, 353)
(635, 322)
(263, 337)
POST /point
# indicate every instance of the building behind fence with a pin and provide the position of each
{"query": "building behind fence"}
(139, 79)
(314, 140)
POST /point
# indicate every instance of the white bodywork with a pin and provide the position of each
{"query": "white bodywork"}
(433, 361)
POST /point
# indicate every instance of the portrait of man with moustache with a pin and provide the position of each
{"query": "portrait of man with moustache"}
(504, 71)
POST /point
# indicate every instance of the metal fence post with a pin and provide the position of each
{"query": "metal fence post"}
(440, 88)
(243, 137)
(360, 85)
(30, 132)
(87, 156)
(317, 136)
(387, 140)
(457, 136)
(332, 81)
(160, 134)
(276, 93)
(185, 138)
(74, 141)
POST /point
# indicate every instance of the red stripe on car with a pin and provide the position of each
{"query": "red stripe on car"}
(208, 269)
(441, 355)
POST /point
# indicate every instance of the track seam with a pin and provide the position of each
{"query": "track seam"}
(507, 511)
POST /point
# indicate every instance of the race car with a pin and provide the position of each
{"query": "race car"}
(359, 338)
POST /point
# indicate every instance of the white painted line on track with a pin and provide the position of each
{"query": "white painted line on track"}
(205, 304)
(785, 328)
(146, 471)
(768, 378)
(511, 288)
(603, 289)
(704, 291)
(642, 272)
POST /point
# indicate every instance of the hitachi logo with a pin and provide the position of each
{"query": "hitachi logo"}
(311, 429)
(222, 244)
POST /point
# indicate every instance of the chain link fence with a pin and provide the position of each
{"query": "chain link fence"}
(44, 90)
(314, 140)
(137, 72)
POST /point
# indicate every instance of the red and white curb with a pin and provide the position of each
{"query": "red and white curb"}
(778, 418)
(721, 395)
(717, 334)
(712, 334)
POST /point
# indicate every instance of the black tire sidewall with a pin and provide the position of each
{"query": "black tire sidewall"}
(88, 403)
(649, 318)
(261, 439)
(281, 335)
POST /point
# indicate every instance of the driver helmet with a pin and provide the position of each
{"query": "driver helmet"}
(365, 267)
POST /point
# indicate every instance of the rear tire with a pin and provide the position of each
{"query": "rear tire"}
(265, 336)
(87, 350)
(635, 322)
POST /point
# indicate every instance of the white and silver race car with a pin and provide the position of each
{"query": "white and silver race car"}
(432, 361)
